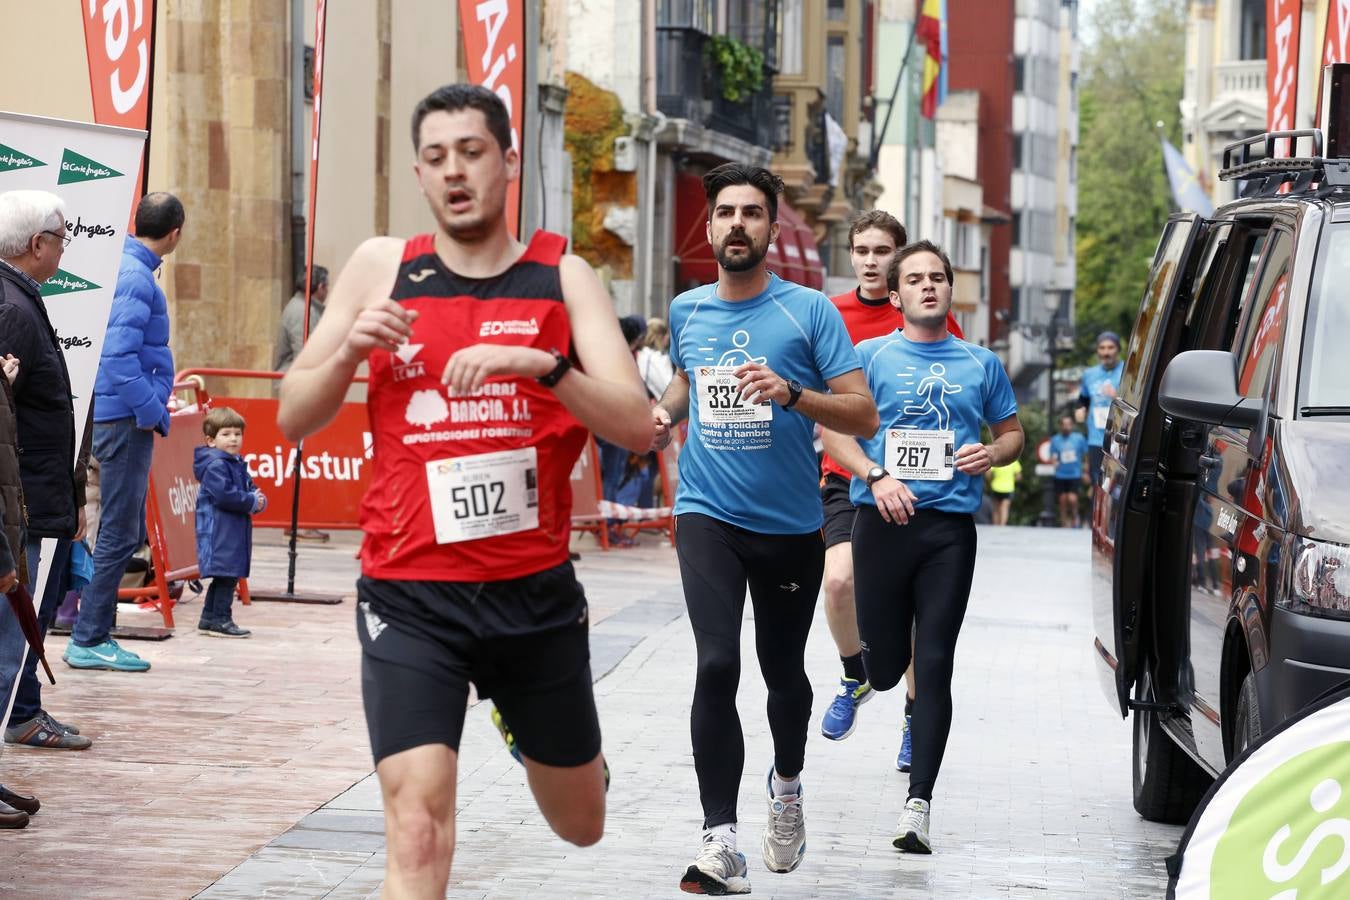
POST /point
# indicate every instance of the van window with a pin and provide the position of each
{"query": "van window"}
(1148, 327)
(1259, 346)
(1326, 373)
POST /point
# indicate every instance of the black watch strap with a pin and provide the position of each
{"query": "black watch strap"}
(876, 474)
(794, 393)
(563, 366)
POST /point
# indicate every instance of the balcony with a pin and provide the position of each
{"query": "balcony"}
(688, 88)
(1245, 76)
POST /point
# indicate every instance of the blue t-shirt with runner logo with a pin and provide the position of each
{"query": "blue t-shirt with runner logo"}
(754, 466)
(1068, 451)
(923, 389)
(1096, 382)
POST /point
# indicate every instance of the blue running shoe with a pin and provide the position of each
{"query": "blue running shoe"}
(107, 655)
(842, 716)
(906, 755)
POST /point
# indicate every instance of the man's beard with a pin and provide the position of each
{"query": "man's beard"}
(753, 256)
(927, 319)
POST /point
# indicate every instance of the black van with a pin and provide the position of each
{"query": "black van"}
(1221, 522)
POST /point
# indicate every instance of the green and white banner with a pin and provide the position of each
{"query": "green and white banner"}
(1276, 824)
(85, 166)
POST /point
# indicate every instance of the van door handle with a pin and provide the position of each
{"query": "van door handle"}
(1208, 462)
(1122, 437)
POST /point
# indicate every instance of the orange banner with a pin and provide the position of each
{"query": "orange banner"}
(173, 488)
(1282, 32)
(494, 45)
(119, 36)
(1335, 43)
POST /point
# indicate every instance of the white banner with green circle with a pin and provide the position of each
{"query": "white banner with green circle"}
(1276, 824)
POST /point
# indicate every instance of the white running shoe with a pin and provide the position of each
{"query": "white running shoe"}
(911, 835)
(785, 836)
(718, 870)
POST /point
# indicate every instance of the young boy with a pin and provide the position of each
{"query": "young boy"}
(227, 498)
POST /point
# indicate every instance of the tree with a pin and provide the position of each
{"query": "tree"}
(1131, 79)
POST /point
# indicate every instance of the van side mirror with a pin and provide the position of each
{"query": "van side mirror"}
(1201, 386)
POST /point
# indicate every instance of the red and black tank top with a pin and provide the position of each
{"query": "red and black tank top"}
(415, 420)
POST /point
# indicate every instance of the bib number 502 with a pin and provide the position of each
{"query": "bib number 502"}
(477, 500)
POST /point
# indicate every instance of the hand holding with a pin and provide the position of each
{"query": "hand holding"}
(10, 366)
(470, 366)
(974, 459)
(386, 325)
(895, 501)
(759, 383)
(8, 581)
(661, 428)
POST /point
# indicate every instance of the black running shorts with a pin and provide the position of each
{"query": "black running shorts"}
(839, 510)
(523, 643)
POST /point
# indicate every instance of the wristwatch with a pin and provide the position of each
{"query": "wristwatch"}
(563, 366)
(794, 393)
(875, 474)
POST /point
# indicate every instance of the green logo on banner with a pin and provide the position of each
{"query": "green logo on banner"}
(1290, 835)
(11, 159)
(65, 283)
(75, 167)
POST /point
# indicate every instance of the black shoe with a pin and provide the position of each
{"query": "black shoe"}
(222, 629)
(11, 817)
(58, 726)
(29, 805)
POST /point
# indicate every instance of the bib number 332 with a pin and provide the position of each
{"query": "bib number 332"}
(719, 398)
(484, 495)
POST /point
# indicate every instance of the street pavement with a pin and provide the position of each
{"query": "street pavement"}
(1033, 799)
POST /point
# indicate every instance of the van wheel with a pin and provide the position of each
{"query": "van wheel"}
(1168, 784)
(1246, 718)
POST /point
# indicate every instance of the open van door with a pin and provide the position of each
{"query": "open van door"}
(1123, 498)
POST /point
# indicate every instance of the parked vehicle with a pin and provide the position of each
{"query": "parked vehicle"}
(1221, 522)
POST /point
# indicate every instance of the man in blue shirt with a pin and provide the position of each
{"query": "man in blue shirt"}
(1100, 385)
(758, 361)
(1068, 448)
(917, 482)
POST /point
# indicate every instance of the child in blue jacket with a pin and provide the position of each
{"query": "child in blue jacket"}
(228, 497)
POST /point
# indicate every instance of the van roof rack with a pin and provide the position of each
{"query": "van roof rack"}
(1254, 158)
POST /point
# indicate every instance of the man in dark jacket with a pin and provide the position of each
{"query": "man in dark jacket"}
(32, 240)
(135, 378)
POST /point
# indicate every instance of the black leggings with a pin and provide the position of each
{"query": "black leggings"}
(915, 576)
(783, 571)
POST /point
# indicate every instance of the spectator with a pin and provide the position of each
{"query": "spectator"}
(224, 531)
(32, 240)
(131, 394)
(653, 358)
(292, 335)
(13, 564)
(618, 467)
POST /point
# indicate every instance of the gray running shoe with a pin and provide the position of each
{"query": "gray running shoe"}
(718, 870)
(785, 835)
(911, 835)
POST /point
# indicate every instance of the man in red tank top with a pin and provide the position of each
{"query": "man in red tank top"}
(874, 236)
(489, 361)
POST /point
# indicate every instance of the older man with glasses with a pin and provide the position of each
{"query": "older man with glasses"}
(32, 240)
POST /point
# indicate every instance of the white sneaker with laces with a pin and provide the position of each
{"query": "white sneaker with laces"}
(784, 841)
(718, 870)
(911, 835)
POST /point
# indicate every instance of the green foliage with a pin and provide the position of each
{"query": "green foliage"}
(1131, 79)
(739, 66)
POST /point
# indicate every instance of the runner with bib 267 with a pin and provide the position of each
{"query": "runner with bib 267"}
(917, 482)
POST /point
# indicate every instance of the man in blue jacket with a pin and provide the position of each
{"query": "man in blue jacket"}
(131, 393)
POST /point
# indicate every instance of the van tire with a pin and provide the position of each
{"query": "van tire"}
(1246, 717)
(1168, 784)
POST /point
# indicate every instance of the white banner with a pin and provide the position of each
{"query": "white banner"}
(93, 168)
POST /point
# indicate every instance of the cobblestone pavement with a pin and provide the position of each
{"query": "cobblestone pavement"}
(1033, 801)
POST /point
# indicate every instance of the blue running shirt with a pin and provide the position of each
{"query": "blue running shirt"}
(1095, 383)
(758, 472)
(1068, 451)
(948, 385)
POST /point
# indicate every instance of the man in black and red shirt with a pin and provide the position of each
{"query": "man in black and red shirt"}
(873, 238)
(489, 361)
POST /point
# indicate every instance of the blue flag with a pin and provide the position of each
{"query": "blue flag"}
(1187, 193)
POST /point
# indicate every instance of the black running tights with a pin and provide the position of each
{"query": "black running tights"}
(783, 571)
(915, 576)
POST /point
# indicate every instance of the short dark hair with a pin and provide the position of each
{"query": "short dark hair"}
(877, 218)
(905, 252)
(318, 279)
(221, 417)
(454, 97)
(731, 174)
(158, 214)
